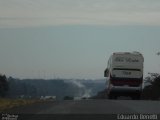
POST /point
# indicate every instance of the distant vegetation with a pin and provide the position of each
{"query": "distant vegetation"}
(36, 88)
(64, 88)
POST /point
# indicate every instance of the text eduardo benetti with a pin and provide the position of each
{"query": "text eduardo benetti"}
(137, 117)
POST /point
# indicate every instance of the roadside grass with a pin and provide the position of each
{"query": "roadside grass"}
(10, 103)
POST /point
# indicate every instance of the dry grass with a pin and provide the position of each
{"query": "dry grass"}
(10, 103)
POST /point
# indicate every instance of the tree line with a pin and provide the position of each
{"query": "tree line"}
(36, 88)
(10, 87)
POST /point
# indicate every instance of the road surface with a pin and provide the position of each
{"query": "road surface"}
(91, 107)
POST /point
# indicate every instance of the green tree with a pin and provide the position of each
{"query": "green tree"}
(3, 85)
(152, 90)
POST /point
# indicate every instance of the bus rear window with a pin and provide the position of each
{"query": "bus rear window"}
(126, 69)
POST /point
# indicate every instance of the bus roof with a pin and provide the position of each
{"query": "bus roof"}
(122, 53)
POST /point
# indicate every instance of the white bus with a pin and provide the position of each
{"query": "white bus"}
(125, 75)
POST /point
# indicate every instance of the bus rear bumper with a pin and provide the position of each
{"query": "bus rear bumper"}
(125, 89)
(133, 92)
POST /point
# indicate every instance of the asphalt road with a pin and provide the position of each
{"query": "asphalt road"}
(103, 107)
(91, 107)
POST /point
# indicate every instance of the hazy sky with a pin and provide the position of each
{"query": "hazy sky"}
(74, 38)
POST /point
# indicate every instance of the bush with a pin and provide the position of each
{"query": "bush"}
(152, 91)
(68, 98)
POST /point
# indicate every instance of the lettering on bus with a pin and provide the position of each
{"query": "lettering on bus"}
(126, 72)
(119, 59)
(131, 60)
(122, 59)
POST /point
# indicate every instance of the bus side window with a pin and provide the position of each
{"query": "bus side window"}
(106, 73)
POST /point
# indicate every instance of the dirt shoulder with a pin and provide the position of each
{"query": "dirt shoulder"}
(21, 106)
